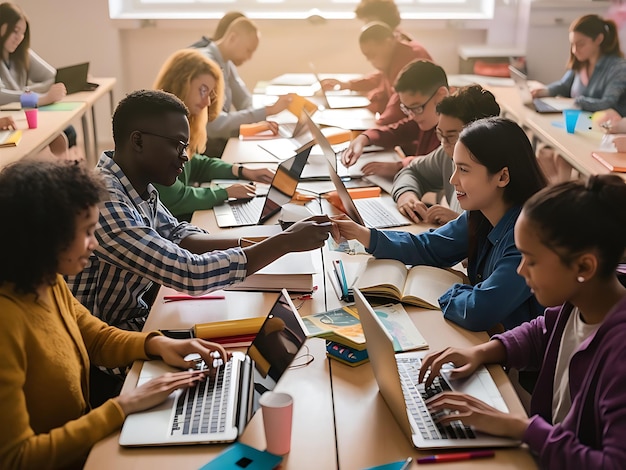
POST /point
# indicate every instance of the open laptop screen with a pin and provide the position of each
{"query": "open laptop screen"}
(275, 346)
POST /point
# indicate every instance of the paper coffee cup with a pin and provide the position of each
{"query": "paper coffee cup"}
(277, 409)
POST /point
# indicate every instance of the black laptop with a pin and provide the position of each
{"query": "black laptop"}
(74, 78)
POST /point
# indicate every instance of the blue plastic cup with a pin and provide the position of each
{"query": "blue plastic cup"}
(571, 118)
(29, 99)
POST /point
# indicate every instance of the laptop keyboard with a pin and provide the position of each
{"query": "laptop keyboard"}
(376, 215)
(415, 393)
(203, 409)
(248, 212)
(543, 107)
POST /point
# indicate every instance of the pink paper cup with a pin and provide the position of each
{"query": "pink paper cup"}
(277, 409)
(31, 118)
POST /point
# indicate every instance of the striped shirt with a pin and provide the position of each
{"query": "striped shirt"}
(139, 246)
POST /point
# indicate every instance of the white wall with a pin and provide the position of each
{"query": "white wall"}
(70, 31)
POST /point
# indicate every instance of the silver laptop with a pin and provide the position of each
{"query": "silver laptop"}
(540, 105)
(339, 101)
(316, 168)
(294, 137)
(218, 409)
(258, 209)
(396, 375)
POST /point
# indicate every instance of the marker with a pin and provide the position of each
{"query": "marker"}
(399, 152)
(342, 279)
(172, 298)
(478, 454)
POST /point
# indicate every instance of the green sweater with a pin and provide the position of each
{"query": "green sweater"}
(182, 198)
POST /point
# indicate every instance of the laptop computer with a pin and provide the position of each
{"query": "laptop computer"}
(295, 137)
(74, 77)
(396, 375)
(317, 166)
(371, 212)
(540, 105)
(258, 209)
(218, 409)
(339, 101)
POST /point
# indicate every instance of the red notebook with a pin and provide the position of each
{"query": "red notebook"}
(614, 161)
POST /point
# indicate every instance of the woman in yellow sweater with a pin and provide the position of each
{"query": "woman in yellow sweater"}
(48, 339)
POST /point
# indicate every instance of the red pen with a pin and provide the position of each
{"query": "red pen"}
(477, 454)
(172, 298)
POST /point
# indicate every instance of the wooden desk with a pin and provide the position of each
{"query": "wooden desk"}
(88, 119)
(313, 440)
(49, 126)
(367, 433)
(575, 148)
(51, 123)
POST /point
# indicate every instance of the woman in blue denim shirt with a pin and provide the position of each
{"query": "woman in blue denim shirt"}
(495, 173)
(596, 79)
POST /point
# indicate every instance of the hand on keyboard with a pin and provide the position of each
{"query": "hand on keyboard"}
(473, 412)
(465, 361)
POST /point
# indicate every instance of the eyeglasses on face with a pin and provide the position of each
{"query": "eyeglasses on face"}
(180, 145)
(418, 109)
(449, 139)
(206, 91)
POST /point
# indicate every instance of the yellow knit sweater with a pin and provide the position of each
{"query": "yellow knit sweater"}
(46, 351)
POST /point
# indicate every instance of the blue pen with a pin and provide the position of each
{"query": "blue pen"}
(344, 282)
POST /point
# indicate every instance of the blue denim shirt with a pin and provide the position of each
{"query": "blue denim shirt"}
(606, 87)
(497, 294)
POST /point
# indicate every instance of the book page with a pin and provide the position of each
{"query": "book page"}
(382, 277)
(406, 337)
(429, 283)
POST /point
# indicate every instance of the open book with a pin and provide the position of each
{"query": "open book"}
(420, 285)
(343, 326)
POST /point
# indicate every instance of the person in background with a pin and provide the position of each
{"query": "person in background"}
(23, 71)
(577, 412)
(236, 47)
(421, 85)
(48, 339)
(432, 172)
(385, 11)
(495, 172)
(141, 245)
(225, 22)
(198, 82)
(388, 55)
(596, 79)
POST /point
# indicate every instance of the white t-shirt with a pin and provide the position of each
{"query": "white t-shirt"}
(576, 331)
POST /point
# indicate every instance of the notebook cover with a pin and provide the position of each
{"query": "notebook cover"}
(11, 139)
(240, 456)
(614, 161)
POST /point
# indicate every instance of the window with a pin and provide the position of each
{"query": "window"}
(293, 9)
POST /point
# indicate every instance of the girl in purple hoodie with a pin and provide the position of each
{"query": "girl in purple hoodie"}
(571, 236)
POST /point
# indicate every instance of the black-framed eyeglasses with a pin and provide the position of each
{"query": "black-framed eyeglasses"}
(416, 110)
(449, 139)
(180, 145)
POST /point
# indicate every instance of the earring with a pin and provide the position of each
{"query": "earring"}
(580, 279)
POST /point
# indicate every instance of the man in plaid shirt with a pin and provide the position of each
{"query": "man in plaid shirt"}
(142, 246)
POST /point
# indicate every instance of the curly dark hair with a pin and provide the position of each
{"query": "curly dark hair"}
(39, 202)
(138, 107)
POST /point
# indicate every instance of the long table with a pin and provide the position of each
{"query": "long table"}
(340, 419)
(51, 123)
(574, 148)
